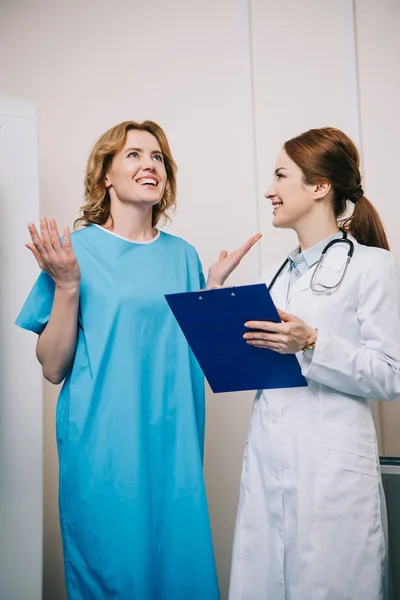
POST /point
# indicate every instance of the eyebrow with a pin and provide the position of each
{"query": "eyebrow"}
(141, 150)
(279, 169)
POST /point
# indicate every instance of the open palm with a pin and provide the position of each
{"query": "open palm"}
(227, 263)
(54, 257)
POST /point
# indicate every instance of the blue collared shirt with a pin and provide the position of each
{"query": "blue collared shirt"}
(301, 262)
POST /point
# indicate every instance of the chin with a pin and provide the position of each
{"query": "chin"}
(281, 223)
(150, 201)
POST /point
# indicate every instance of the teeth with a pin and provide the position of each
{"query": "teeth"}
(147, 181)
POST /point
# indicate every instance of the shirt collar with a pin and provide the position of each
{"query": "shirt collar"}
(302, 261)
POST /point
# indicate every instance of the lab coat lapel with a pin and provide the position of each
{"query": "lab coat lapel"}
(279, 289)
(303, 283)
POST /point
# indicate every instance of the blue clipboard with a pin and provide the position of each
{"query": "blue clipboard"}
(213, 324)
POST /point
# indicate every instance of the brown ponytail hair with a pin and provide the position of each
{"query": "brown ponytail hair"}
(329, 155)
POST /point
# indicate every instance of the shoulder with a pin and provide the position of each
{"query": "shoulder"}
(178, 242)
(371, 258)
(79, 237)
(83, 232)
(375, 271)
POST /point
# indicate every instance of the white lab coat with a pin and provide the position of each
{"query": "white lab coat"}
(311, 521)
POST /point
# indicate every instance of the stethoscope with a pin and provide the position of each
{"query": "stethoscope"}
(343, 240)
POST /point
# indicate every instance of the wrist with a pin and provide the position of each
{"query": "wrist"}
(213, 284)
(70, 289)
(311, 339)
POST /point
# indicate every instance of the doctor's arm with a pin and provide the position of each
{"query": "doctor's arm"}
(56, 345)
(372, 368)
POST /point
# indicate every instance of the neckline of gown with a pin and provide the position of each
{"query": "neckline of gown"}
(121, 237)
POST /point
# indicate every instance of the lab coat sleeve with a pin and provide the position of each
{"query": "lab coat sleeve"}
(372, 368)
(36, 311)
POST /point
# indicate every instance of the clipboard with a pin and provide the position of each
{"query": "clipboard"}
(213, 323)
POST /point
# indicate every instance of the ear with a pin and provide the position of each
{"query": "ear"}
(321, 190)
(107, 181)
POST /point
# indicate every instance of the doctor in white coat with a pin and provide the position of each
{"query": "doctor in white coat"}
(311, 517)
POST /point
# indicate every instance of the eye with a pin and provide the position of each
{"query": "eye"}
(279, 176)
(158, 157)
(133, 154)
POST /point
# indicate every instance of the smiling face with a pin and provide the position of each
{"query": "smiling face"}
(292, 200)
(137, 172)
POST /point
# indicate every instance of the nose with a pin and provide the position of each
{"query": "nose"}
(148, 163)
(271, 192)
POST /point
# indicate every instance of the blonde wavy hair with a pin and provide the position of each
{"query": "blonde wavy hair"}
(97, 198)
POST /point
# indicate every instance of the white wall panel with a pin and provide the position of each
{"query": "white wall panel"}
(20, 376)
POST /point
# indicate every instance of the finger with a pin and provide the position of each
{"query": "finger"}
(264, 326)
(237, 255)
(44, 230)
(36, 239)
(246, 247)
(250, 243)
(36, 254)
(54, 235)
(265, 337)
(284, 315)
(266, 345)
(38, 244)
(256, 237)
(67, 239)
(222, 255)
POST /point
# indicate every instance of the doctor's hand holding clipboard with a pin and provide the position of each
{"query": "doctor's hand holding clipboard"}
(288, 337)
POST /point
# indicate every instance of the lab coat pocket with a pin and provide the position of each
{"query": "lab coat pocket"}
(354, 446)
(347, 483)
(349, 461)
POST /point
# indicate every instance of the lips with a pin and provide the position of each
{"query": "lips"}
(276, 204)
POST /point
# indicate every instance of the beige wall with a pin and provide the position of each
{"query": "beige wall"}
(229, 82)
(304, 76)
(378, 49)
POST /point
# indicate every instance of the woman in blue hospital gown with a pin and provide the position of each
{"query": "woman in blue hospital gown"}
(130, 416)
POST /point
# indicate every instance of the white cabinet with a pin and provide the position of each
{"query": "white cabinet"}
(20, 376)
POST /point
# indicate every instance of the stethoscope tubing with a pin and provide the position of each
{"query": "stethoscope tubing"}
(343, 239)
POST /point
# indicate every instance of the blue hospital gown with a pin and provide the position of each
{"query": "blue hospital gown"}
(130, 426)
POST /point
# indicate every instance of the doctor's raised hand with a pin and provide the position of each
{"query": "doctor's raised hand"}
(227, 263)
